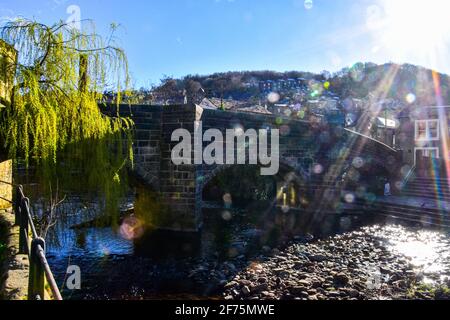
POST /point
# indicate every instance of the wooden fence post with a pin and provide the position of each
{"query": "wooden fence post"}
(17, 199)
(36, 284)
(23, 235)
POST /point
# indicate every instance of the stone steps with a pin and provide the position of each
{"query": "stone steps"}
(438, 189)
(430, 188)
(429, 195)
(425, 216)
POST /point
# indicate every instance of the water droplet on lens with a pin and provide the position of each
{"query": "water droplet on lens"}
(227, 199)
(226, 215)
(309, 4)
(358, 162)
(349, 198)
(410, 98)
(318, 169)
(273, 97)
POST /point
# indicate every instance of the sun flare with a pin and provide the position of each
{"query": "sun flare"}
(412, 28)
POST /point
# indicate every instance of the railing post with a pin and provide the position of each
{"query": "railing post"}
(23, 235)
(16, 204)
(36, 284)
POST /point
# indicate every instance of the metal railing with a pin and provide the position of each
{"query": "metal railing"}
(34, 246)
(408, 176)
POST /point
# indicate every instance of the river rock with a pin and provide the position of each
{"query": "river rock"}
(259, 288)
(335, 268)
(231, 285)
(341, 278)
(298, 290)
(262, 280)
(318, 258)
(245, 290)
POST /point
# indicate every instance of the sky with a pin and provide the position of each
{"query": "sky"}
(181, 37)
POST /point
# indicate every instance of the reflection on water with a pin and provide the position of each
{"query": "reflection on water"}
(93, 242)
(427, 250)
(126, 262)
(65, 240)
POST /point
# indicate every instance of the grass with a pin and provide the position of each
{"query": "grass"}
(421, 291)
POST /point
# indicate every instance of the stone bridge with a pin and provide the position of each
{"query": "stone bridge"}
(312, 156)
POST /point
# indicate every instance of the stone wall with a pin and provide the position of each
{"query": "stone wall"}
(153, 165)
(297, 138)
(8, 57)
(178, 183)
(5, 189)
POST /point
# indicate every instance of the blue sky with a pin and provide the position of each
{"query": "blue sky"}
(180, 37)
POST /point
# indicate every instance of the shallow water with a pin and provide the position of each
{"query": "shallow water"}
(427, 250)
(113, 269)
(162, 265)
(153, 267)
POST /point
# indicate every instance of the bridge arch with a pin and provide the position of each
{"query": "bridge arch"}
(288, 184)
(301, 148)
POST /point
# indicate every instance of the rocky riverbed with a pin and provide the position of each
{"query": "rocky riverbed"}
(360, 265)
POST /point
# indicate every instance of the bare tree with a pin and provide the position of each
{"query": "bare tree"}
(50, 215)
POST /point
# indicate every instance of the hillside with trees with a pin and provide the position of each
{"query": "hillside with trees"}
(405, 84)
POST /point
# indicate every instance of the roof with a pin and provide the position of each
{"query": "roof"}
(367, 137)
(254, 109)
(207, 104)
(406, 112)
(381, 122)
(216, 103)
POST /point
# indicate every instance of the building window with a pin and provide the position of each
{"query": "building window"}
(427, 130)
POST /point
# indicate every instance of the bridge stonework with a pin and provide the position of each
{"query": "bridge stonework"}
(302, 144)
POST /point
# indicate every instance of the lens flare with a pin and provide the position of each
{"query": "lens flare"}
(318, 169)
(227, 216)
(273, 97)
(131, 228)
(227, 200)
(309, 4)
(358, 162)
(410, 98)
(412, 30)
(349, 198)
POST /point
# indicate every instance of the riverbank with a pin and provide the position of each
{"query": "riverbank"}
(366, 264)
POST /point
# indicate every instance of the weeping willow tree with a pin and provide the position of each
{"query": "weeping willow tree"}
(53, 122)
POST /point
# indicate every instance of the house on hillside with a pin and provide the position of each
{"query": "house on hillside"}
(282, 85)
(266, 86)
(384, 130)
(424, 133)
(291, 83)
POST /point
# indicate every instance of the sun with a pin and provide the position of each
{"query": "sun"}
(413, 28)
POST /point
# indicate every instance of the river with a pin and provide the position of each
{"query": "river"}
(165, 265)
